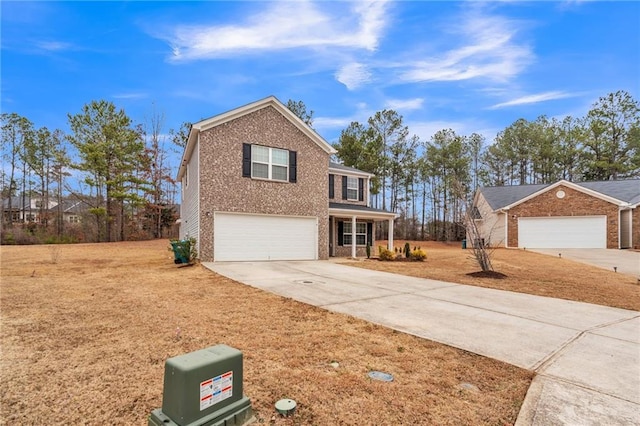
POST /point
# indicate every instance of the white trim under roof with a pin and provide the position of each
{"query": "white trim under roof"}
(217, 120)
(572, 186)
(347, 172)
(362, 214)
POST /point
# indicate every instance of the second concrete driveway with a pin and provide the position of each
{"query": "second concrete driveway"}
(587, 357)
(624, 261)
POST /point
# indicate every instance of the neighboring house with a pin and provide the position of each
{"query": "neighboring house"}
(24, 208)
(560, 215)
(71, 210)
(28, 208)
(257, 184)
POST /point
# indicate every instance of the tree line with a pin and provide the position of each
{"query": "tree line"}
(123, 186)
(430, 182)
(123, 176)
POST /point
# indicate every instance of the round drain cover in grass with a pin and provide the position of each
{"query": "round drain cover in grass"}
(286, 406)
(379, 375)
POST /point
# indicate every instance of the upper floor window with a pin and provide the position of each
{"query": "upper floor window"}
(269, 163)
(264, 162)
(475, 213)
(352, 188)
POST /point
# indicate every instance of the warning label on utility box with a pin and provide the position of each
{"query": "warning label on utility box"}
(215, 390)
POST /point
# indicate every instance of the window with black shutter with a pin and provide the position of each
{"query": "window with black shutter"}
(344, 187)
(331, 187)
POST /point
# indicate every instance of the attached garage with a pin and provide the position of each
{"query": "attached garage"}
(249, 237)
(562, 232)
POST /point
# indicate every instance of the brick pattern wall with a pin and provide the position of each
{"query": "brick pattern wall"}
(222, 187)
(338, 191)
(575, 203)
(635, 230)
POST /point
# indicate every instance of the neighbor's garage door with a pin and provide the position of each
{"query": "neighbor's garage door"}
(244, 237)
(562, 232)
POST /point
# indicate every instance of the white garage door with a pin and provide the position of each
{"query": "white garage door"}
(244, 237)
(562, 232)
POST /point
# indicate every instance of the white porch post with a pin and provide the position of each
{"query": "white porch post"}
(390, 245)
(353, 236)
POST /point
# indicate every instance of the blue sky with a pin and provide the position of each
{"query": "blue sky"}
(470, 66)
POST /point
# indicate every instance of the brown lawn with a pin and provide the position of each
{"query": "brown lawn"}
(527, 272)
(86, 329)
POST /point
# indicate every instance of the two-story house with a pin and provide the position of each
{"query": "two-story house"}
(257, 184)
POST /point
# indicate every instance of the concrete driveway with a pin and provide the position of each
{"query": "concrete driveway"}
(587, 357)
(625, 261)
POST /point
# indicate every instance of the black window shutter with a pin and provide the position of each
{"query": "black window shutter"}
(293, 166)
(360, 189)
(344, 187)
(331, 187)
(369, 233)
(246, 160)
(340, 233)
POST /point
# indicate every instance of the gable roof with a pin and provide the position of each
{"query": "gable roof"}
(620, 192)
(225, 117)
(346, 169)
(502, 196)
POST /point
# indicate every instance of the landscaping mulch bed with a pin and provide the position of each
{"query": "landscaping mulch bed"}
(86, 329)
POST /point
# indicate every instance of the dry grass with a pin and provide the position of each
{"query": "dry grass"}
(527, 272)
(84, 340)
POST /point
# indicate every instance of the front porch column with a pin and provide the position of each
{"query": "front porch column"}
(353, 236)
(390, 245)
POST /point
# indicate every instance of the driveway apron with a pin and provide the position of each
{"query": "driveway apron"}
(587, 357)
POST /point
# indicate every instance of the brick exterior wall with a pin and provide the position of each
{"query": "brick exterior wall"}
(338, 190)
(575, 203)
(222, 187)
(635, 232)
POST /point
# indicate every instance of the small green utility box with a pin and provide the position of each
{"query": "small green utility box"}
(204, 388)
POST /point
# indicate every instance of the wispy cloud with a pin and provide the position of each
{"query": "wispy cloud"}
(487, 48)
(353, 75)
(53, 46)
(404, 104)
(534, 99)
(131, 95)
(283, 25)
(321, 123)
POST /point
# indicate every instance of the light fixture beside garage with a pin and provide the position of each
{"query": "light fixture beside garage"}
(560, 194)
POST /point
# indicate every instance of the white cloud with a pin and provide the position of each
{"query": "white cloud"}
(331, 122)
(533, 99)
(487, 49)
(132, 95)
(284, 25)
(404, 104)
(53, 46)
(353, 75)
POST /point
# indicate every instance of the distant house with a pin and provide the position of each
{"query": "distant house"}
(28, 209)
(25, 208)
(559, 215)
(257, 184)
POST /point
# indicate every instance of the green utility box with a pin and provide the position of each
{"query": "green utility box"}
(204, 388)
(181, 251)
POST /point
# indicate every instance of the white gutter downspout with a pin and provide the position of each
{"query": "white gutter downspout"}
(506, 228)
(619, 227)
